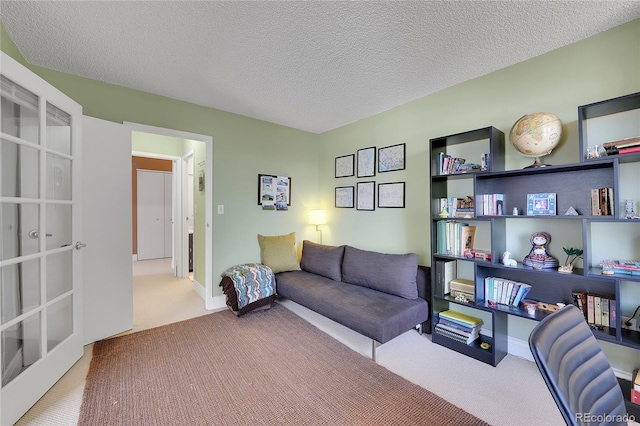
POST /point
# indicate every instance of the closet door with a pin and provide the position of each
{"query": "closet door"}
(154, 215)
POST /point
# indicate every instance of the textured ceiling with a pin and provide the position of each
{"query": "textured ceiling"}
(309, 65)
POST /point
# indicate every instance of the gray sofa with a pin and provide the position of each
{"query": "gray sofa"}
(378, 295)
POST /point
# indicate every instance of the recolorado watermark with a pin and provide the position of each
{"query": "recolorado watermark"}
(605, 418)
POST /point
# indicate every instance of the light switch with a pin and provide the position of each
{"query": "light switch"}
(220, 208)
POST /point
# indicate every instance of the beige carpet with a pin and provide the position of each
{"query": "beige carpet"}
(220, 369)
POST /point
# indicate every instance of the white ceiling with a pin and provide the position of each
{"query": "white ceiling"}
(314, 65)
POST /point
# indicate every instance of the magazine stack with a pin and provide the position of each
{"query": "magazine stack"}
(458, 326)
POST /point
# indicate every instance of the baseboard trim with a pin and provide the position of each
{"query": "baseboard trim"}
(212, 303)
(217, 302)
(519, 348)
(135, 257)
(198, 288)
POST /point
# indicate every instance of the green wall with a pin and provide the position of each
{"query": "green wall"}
(242, 148)
(597, 68)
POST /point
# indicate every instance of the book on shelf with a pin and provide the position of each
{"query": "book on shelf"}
(485, 161)
(597, 309)
(623, 143)
(455, 207)
(493, 204)
(624, 267)
(445, 272)
(460, 318)
(449, 165)
(602, 202)
(505, 292)
(454, 238)
(457, 335)
(635, 387)
(623, 146)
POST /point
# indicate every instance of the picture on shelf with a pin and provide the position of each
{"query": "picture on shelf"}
(543, 204)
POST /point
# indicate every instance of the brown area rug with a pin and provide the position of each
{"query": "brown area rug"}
(266, 368)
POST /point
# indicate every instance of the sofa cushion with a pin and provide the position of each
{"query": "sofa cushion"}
(390, 273)
(279, 252)
(322, 260)
(380, 316)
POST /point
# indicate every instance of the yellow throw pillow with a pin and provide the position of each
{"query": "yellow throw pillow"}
(279, 252)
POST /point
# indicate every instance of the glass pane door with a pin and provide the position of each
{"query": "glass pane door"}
(40, 330)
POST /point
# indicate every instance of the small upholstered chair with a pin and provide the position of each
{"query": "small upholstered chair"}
(575, 369)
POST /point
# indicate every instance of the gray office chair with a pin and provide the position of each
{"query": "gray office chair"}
(575, 369)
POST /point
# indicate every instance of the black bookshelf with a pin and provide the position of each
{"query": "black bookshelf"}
(572, 184)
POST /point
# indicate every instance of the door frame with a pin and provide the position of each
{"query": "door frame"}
(185, 207)
(177, 249)
(205, 290)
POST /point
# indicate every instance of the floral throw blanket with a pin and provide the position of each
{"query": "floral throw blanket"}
(253, 281)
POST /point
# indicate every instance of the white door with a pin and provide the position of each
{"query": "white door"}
(107, 229)
(40, 216)
(154, 214)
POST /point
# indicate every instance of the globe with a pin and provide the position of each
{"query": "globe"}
(535, 135)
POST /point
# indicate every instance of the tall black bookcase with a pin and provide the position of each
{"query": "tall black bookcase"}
(601, 237)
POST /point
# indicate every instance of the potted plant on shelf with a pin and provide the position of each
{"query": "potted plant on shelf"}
(573, 254)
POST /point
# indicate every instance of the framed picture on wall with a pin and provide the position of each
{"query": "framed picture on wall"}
(391, 195)
(344, 166)
(391, 158)
(365, 195)
(344, 197)
(274, 192)
(366, 161)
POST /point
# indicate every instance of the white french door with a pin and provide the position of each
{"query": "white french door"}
(40, 261)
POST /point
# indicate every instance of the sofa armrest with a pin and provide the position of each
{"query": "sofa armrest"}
(423, 279)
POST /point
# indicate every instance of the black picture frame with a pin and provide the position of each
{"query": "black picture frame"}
(392, 158)
(275, 191)
(366, 196)
(344, 166)
(391, 195)
(366, 162)
(344, 197)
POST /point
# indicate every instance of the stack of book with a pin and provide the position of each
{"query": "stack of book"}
(505, 292)
(458, 326)
(623, 146)
(449, 165)
(625, 267)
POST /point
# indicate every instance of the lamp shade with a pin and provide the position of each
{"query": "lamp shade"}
(317, 217)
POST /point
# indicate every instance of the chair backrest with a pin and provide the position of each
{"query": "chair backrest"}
(576, 370)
